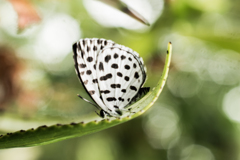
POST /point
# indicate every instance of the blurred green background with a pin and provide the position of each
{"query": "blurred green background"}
(197, 116)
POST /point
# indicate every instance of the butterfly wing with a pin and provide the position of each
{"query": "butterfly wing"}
(121, 74)
(85, 57)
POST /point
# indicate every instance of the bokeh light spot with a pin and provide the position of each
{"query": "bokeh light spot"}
(56, 37)
(231, 104)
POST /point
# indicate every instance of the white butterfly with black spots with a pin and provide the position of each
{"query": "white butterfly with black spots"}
(112, 75)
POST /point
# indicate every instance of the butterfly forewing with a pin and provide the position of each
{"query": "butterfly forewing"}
(85, 53)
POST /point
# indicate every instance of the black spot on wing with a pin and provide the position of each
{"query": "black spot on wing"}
(123, 90)
(104, 78)
(120, 99)
(80, 49)
(123, 57)
(105, 91)
(127, 67)
(90, 59)
(115, 66)
(101, 66)
(134, 65)
(82, 53)
(109, 99)
(107, 58)
(115, 56)
(116, 85)
(95, 81)
(82, 73)
(91, 92)
(126, 78)
(119, 74)
(133, 88)
(82, 65)
(88, 48)
(89, 72)
(130, 59)
(136, 75)
(94, 48)
(83, 42)
(94, 66)
(85, 82)
(99, 41)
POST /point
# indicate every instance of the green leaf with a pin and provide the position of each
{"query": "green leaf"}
(49, 134)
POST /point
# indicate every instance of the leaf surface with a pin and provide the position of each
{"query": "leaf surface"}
(49, 134)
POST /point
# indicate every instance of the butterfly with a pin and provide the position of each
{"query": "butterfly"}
(112, 75)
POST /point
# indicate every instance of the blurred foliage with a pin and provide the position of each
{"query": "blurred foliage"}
(196, 117)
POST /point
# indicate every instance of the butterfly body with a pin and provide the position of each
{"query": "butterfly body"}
(112, 74)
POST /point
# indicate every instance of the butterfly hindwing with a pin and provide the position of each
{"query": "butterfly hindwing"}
(119, 76)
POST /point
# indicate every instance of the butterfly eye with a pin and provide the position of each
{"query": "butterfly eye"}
(102, 114)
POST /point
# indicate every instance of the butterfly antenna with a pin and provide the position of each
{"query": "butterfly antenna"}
(88, 101)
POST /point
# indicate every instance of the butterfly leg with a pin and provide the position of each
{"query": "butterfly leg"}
(88, 101)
